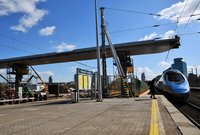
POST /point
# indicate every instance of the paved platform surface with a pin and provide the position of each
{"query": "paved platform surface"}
(115, 116)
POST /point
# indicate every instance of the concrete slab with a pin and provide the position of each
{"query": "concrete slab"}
(111, 117)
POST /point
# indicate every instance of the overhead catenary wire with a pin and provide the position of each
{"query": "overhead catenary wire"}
(23, 42)
(191, 33)
(144, 27)
(86, 65)
(192, 14)
(26, 43)
(14, 48)
(133, 11)
(146, 13)
(178, 19)
(21, 50)
(167, 56)
(139, 28)
(152, 14)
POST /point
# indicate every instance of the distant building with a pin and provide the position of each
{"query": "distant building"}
(110, 79)
(193, 80)
(50, 80)
(143, 77)
(180, 65)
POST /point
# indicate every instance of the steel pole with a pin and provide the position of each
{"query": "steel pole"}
(98, 58)
(104, 84)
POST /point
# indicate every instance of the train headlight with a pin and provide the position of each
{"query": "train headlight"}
(187, 87)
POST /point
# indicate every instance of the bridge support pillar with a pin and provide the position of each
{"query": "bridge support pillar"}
(18, 71)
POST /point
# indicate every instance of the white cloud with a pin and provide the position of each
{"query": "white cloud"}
(164, 65)
(47, 31)
(73, 69)
(64, 47)
(2, 71)
(171, 13)
(28, 7)
(46, 73)
(166, 35)
(149, 37)
(149, 74)
(169, 34)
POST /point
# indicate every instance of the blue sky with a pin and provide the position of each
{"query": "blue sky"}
(30, 27)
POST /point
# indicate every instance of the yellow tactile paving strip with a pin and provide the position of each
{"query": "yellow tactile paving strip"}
(154, 121)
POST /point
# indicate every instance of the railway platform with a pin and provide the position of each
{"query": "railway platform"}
(113, 116)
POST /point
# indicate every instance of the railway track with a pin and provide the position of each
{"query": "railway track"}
(191, 111)
(194, 106)
(190, 108)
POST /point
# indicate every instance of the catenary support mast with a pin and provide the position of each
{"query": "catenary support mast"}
(104, 83)
(98, 58)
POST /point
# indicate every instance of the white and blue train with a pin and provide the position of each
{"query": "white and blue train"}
(173, 84)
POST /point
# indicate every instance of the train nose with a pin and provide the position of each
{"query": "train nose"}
(181, 88)
(181, 91)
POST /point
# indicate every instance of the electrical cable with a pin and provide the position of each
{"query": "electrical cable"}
(145, 27)
(184, 34)
(138, 28)
(180, 16)
(192, 33)
(157, 25)
(178, 19)
(181, 34)
(145, 13)
(192, 14)
(10, 47)
(7, 46)
(167, 56)
(84, 64)
(132, 11)
(21, 50)
(155, 14)
(23, 42)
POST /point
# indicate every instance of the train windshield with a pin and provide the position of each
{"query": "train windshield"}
(174, 77)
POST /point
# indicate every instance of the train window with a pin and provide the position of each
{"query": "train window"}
(174, 77)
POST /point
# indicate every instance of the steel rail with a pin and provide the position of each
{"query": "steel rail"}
(194, 106)
(188, 116)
